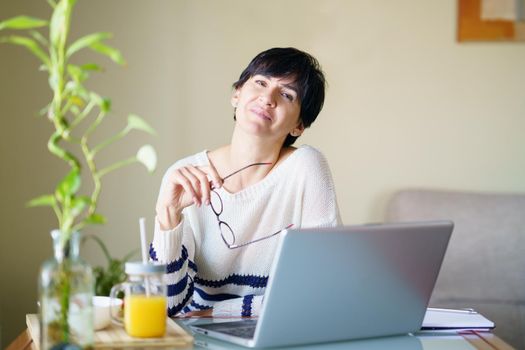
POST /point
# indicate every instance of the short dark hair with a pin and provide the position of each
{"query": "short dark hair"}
(292, 63)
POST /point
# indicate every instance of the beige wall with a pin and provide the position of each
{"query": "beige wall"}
(406, 106)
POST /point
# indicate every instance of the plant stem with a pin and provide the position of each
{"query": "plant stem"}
(58, 214)
(117, 166)
(67, 106)
(95, 123)
(83, 114)
(109, 141)
(65, 292)
(88, 155)
(58, 34)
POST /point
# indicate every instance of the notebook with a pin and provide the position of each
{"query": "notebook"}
(455, 319)
(333, 284)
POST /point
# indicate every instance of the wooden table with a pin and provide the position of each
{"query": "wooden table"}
(113, 336)
(478, 340)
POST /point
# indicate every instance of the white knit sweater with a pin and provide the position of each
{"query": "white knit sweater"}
(203, 272)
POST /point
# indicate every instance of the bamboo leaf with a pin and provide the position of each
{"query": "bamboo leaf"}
(137, 123)
(109, 51)
(105, 106)
(75, 90)
(23, 22)
(86, 41)
(77, 73)
(91, 66)
(29, 44)
(103, 103)
(147, 156)
(58, 22)
(39, 37)
(42, 201)
(77, 102)
(78, 204)
(69, 184)
(43, 112)
(96, 219)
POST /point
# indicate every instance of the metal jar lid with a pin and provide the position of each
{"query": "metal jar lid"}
(140, 268)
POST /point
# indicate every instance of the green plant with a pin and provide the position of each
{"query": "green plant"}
(114, 273)
(75, 112)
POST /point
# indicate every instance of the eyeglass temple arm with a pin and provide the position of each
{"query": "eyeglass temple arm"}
(235, 246)
(241, 169)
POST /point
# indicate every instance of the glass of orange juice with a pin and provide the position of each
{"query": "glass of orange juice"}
(145, 306)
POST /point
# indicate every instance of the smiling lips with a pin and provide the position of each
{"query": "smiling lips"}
(261, 113)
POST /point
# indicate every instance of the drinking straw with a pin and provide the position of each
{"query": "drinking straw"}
(143, 244)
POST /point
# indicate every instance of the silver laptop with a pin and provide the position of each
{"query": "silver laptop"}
(344, 283)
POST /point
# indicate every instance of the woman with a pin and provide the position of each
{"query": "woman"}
(219, 213)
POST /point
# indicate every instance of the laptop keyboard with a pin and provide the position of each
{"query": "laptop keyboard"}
(242, 329)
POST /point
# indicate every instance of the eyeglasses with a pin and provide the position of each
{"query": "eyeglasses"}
(226, 231)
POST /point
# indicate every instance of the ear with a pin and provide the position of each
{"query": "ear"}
(235, 98)
(298, 130)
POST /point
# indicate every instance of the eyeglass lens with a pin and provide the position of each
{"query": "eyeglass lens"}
(216, 203)
(226, 231)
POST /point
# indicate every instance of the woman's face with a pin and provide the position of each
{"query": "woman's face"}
(268, 107)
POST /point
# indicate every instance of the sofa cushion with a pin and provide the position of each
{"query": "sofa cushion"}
(485, 260)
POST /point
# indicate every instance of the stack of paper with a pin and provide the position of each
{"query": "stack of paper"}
(436, 319)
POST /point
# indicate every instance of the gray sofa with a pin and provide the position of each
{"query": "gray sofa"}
(484, 267)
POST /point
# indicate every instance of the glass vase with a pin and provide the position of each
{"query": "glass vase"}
(66, 288)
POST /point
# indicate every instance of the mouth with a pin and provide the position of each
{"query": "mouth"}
(261, 113)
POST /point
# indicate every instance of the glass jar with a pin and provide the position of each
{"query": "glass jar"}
(66, 288)
(145, 303)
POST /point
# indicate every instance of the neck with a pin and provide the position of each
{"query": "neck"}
(246, 149)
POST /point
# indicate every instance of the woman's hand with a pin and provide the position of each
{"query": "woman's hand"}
(185, 186)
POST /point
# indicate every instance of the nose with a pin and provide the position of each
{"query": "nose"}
(267, 97)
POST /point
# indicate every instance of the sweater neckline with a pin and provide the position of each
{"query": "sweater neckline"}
(265, 182)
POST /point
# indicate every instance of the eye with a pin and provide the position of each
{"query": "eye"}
(260, 82)
(287, 96)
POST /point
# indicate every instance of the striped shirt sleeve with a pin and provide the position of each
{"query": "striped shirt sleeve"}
(176, 249)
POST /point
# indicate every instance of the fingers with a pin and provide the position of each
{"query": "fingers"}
(185, 186)
(196, 183)
(190, 183)
(213, 175)
(201, 184)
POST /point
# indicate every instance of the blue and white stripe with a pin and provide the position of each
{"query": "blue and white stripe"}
(188, 292)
